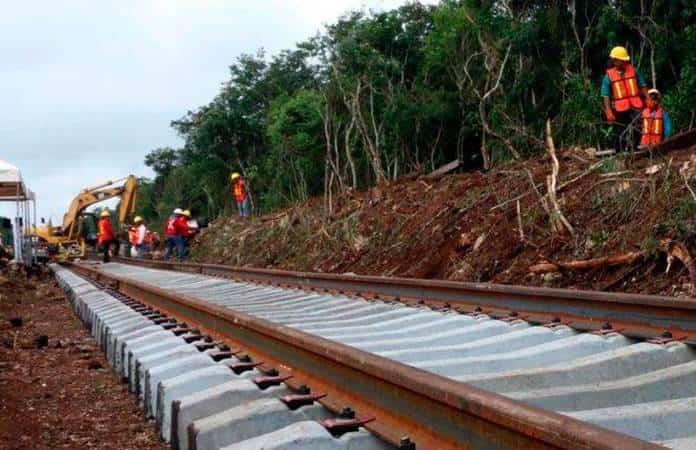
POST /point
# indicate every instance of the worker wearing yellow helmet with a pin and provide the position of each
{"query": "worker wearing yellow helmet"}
(192, 230)
(240, 193)
(140, 236)
(105, 234)
(623, 93)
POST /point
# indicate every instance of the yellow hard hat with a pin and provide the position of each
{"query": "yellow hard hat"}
(234, 176)
(137, 219)
(619, 53)
(187, 213)
(105, 213)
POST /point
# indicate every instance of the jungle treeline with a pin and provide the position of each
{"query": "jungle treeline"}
(377, 95)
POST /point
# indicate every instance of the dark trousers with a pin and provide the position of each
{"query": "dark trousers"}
(624, 139)
(105, 250)
(244, 207)
(172, 243)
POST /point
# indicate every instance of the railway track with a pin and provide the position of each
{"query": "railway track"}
(420, 364)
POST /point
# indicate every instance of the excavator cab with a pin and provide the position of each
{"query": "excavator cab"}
(89, 228)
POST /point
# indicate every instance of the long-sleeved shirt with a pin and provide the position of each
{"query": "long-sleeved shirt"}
(667, 126)
(605, 90)
(142, 232)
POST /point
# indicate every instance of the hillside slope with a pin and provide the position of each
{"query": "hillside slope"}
(637, 212)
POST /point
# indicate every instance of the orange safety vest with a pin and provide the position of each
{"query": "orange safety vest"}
(653, 127)
(104, 231)
(624, 89)
(240, 193)
(133, 236)
(148, 238)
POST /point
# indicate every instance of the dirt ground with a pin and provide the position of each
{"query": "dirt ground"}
(56, 390)
(466, 226)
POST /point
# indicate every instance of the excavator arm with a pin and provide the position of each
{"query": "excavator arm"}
(89, 196)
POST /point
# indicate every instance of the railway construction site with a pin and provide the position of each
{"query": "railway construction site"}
(202, 355)
(223, 357)
(423, 225)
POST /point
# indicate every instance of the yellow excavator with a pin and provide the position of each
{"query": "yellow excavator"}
(69, 240)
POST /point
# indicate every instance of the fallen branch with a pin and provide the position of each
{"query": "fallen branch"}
(674, 250)
(427, 186)
(443, 170)
(614, 174)
(275, 217)
(607, 261)
(605, 152)
(588, 171)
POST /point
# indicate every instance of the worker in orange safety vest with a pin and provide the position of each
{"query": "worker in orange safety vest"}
(175, 229)
(140, 236)
(241, 194)
(105, 234)
(655, 122)
(132, 240)
(623, 92)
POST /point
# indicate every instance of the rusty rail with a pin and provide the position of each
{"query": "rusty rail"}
(634, 315)
(431, 410)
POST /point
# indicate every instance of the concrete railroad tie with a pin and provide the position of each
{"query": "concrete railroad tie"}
(198, 402)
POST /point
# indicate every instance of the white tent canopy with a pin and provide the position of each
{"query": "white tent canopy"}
(9, 173)
(13, 189)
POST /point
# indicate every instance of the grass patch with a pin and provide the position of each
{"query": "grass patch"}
(609, 165)
(598, 238)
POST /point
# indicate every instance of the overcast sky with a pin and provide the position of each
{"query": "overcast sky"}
(89, 87)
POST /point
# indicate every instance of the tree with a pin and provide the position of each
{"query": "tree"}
(376, 95)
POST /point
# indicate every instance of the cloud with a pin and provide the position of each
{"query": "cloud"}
(89, 87)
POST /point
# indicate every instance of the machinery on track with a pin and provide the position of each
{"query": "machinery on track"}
(70, 239)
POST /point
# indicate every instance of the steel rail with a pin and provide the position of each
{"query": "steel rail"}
(433, 411)
(634, 315)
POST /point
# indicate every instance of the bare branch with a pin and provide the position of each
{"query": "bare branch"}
(519, 221)
(552, 181)
(496, 86)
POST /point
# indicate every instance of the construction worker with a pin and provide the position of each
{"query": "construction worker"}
(623, 90)
(182, 234)
(192, 225)
(656, 124)
(140, 236)
(105, 234)
(172, 238)
(132, 240)
(241, 195)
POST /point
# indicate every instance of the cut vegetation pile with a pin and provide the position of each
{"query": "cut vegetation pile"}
(611, 223)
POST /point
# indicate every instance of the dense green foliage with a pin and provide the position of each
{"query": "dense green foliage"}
(378, 95)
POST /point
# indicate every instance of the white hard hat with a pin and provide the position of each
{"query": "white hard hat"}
(654, 91)
(178, 211)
